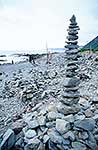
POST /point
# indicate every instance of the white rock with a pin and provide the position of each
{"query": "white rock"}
(30, 134)
(62, 126)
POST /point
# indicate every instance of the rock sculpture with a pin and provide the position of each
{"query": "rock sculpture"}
(71, 94)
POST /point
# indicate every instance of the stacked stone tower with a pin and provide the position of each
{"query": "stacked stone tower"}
(71, 94)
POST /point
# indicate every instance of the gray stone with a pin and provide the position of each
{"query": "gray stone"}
(52, 146)
(91, 142)
(41, 146)
(65, 109)
(62, 126)
(52, 115)
(88, 113)
(18, 125)
(33, 144)
(86, 124)
(71, 94)
(71, 46)
(95, 117)
(55, 137)
(83, 102)
(71, 82)
(83, 135)
(69, 118)
(30, 134)
(78, 146)
(42, 120)
(79, 117)
(8, 140)
(69, 135)
(33, 124)
(62, 147)
(45, 138)
(71, 37)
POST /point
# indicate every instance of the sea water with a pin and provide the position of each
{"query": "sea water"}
(7, 56)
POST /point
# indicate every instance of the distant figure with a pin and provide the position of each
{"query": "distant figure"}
(31, 57)
(12, 62)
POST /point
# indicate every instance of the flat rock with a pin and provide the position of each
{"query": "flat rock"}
(78, 146)
(69, 118)
(71, 82)
(66, 110)
(33, 144)
(86, 124)
(52, 115)
(55, 137)
(62, 126)
(33, 124)
(42, 120)
(69, 135)
(8, 140)
(18, 125)
(30, 134)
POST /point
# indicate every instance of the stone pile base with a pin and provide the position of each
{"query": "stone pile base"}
(44, 127)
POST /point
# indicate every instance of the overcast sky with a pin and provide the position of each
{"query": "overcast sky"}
(28, 24)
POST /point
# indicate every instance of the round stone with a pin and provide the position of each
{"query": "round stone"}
(30, 134)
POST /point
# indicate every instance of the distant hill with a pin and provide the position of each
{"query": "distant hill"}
(92, 45)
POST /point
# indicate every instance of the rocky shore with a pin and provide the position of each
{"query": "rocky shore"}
(31, 114)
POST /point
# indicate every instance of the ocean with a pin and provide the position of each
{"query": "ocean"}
(9, 56)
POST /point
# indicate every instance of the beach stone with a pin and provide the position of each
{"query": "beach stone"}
(79, 117)
(88, 113)
(30, 134)
(69, 118)
(91, 142)
(29, 96)
(43, 111)
(18, 125)
(33, 144)
(87, 124)
(83, 135)
(50, 124)
(51, 107)
(66, 110)
(69, 135)
(45, 138)
(62, 126)
(41, 146)
(19, 142)
(52, 115)
(72, 38)
(83, 102)
(42, 120)
(52, 146)
(71, 82)
(62, 147)
(78, 146)
(95, 117)
(72, 46)
(8, 140)
(27, 117)
(33, 124)
(55, 137)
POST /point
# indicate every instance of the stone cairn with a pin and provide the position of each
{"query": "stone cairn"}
(71, 94)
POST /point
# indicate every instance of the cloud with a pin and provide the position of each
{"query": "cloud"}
(27, 24)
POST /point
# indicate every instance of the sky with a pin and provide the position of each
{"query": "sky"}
(29, 24)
